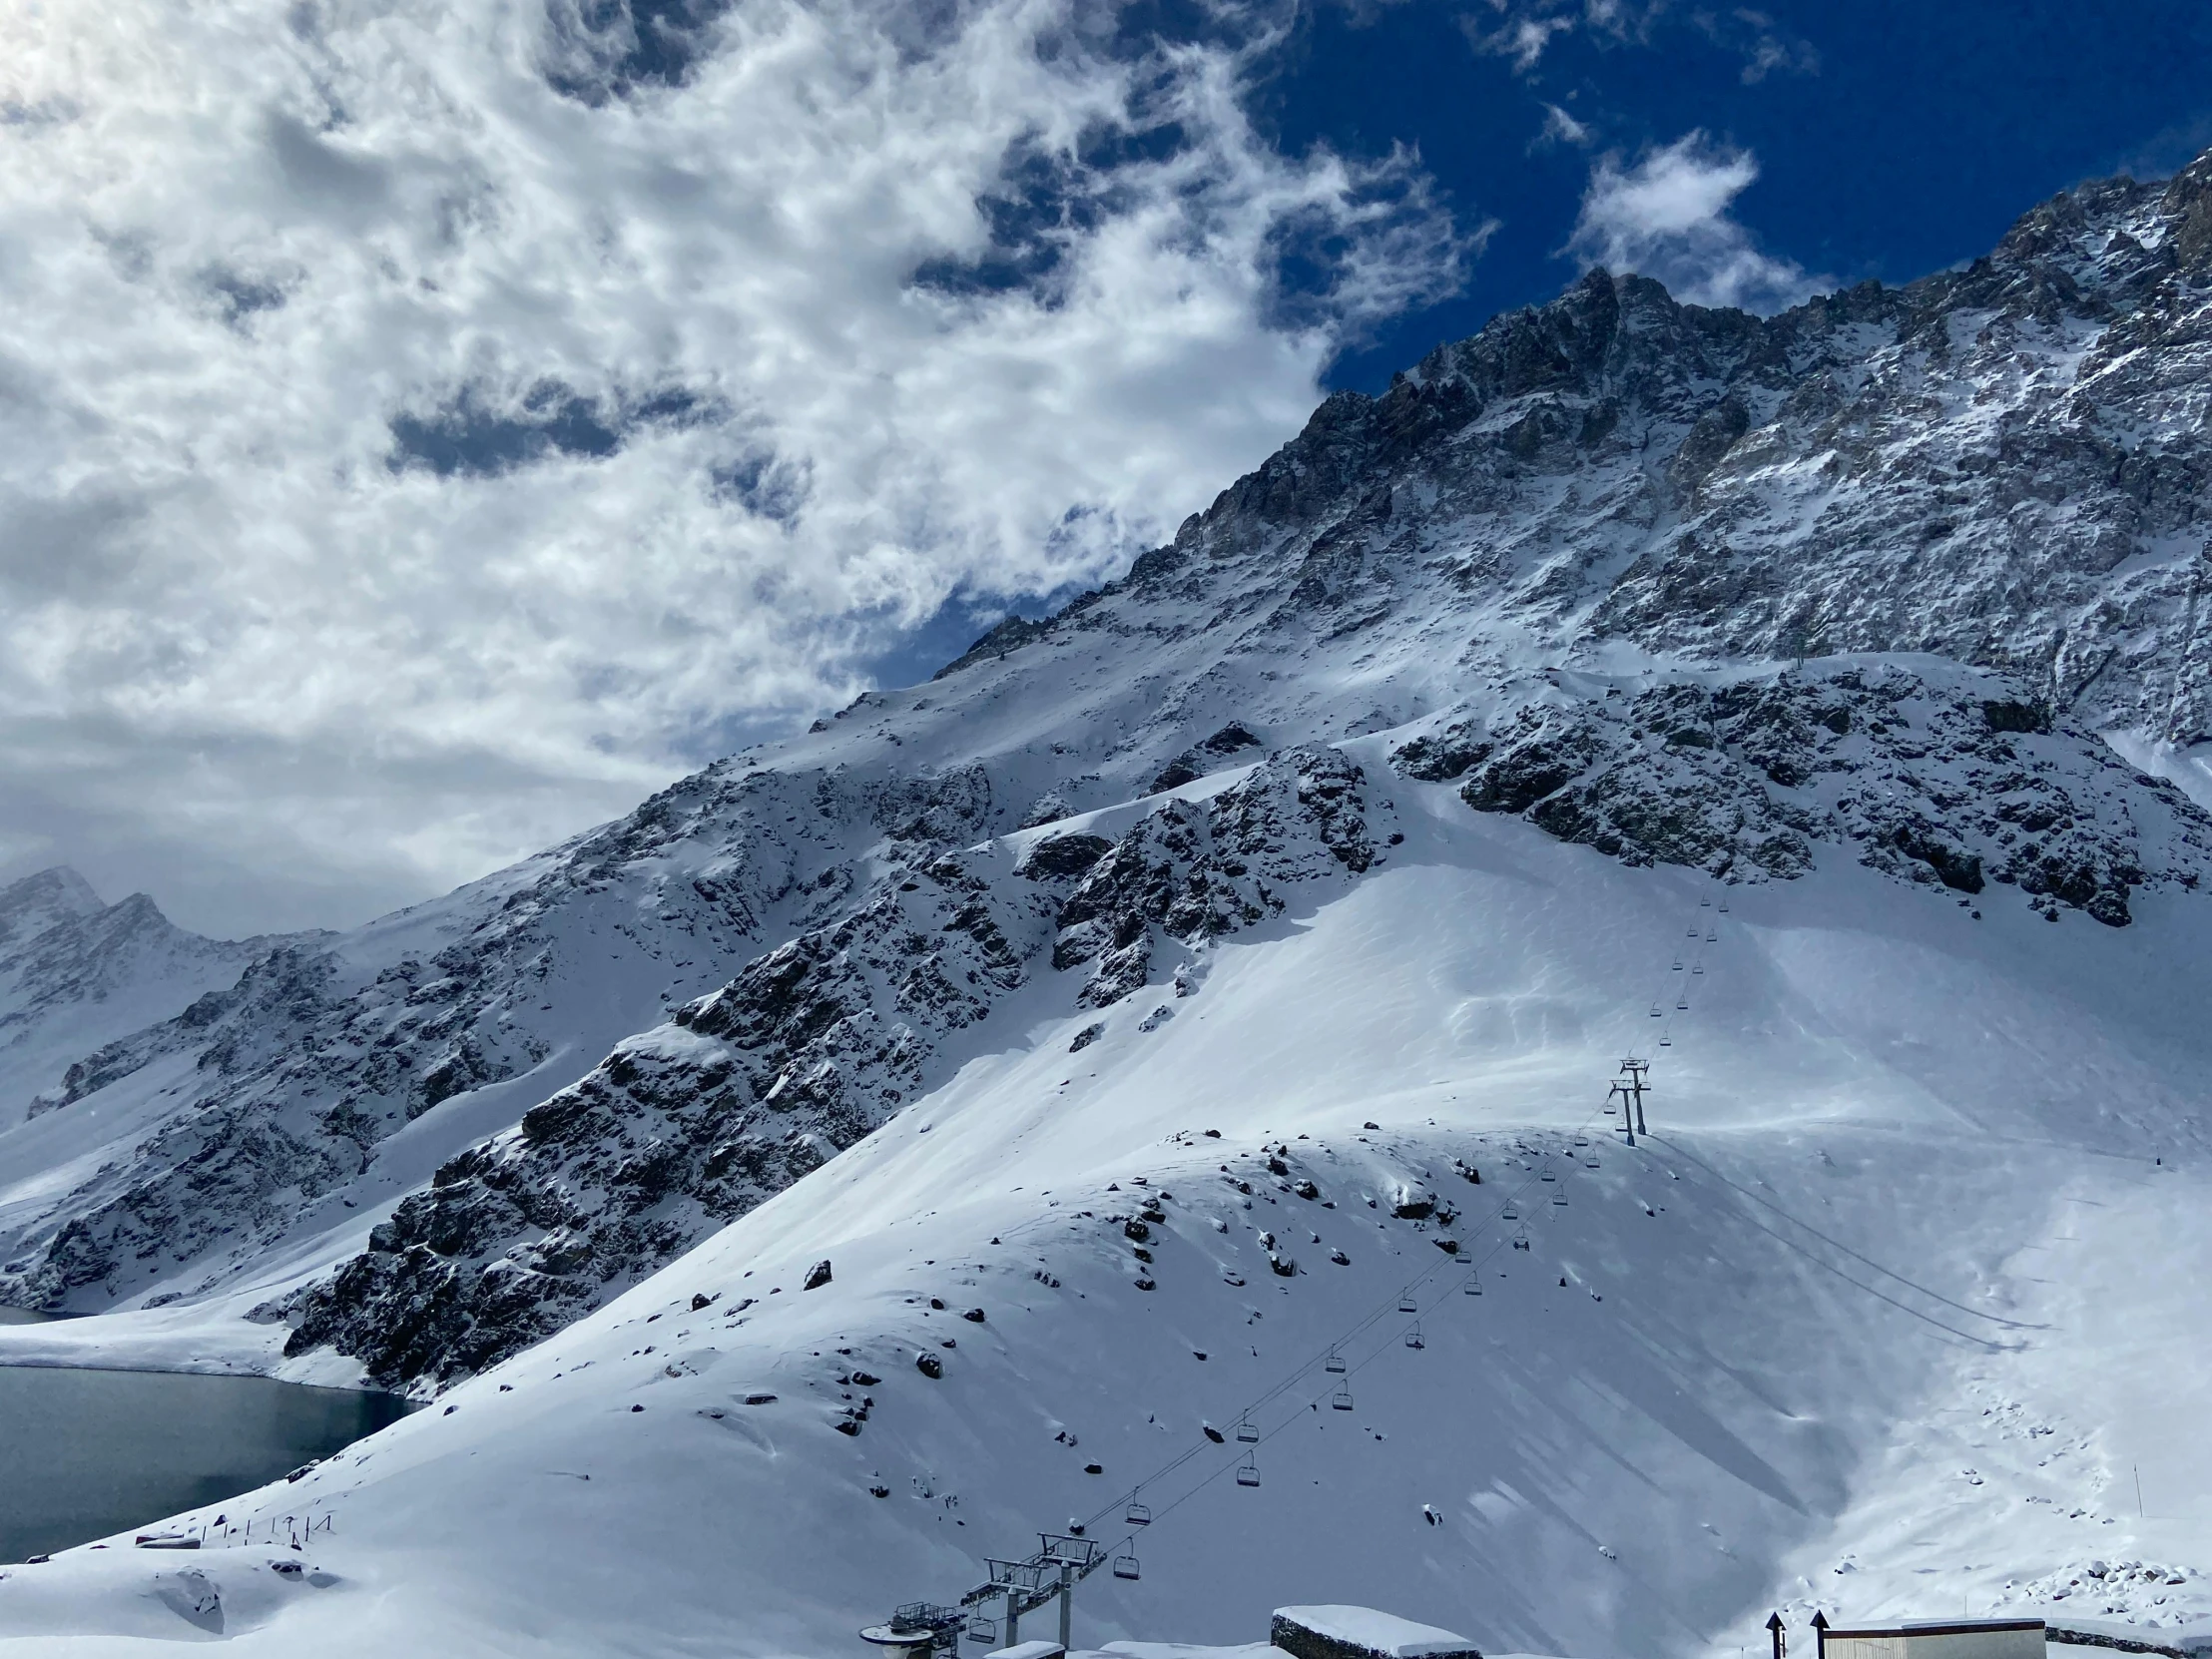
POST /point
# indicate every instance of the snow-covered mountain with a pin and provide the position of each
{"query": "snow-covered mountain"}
(1333, 857)
(77, 973)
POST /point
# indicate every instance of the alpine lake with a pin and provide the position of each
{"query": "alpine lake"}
(88, 1453)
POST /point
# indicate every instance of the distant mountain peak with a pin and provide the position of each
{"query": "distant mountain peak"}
(34, 903)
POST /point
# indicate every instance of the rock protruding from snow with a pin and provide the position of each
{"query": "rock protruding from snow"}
(1935, 774)
(809, 1048)
(1195, 870)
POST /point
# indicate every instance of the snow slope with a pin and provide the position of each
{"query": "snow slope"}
(1390, 793)
(1764, 1381)
(77, 973)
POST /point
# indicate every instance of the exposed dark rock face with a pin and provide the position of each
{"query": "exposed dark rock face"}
(807, 1049)
(1913, 771)
(1193, 872)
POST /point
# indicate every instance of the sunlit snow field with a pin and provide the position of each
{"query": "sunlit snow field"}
(1881, 1319)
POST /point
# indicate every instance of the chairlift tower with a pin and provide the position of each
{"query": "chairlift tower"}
(1061, 1562)
(1630, 1087)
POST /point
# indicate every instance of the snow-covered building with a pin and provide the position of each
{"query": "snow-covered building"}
(1362, 1633)
(1939, 1639)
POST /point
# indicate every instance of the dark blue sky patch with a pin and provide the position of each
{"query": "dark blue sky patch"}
(239, 297)
(764, 484)
(470, 437)
(1893, 138)
(603, 49)
(1040, 202)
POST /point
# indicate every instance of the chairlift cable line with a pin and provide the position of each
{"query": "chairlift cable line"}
(1385, 1309)
(1408, 1300)
(1382, 1311)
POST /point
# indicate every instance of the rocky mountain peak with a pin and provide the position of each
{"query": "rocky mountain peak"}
(32, 904)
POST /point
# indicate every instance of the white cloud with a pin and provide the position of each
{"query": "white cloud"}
(1667, 218)
(1561, 128)
(427, 424)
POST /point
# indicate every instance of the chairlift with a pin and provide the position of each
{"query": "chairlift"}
(1724, 906)
(1341, 1401)
(1678, 964)
(1666, 1042)
(1700, 968)
(1245, 1433)
(1125, 1565)
(1559, 1198)
(1589, 1163)
(1509, 1214)
(1413, 1336)
(1406, 1303)
(1695, 931)
(1334, 1363)
(1682, 1006)
(1547, 1176)
(1248, 1472)
(1705, 904)
(1474, 1286)
(1655, 1010)
(982, 1632)
(1139, 1515)
(1582, 1140)
(1713, 937)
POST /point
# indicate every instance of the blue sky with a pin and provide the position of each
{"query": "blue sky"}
(431, 427)
(1891, 138)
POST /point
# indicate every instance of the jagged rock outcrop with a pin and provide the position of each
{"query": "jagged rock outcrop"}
(809, 1048)
(1937, 775)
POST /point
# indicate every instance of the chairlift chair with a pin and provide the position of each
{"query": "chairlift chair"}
(1582, 1140)
(1559, 1198)
(1125, 1565)
(1333, 1364)
(1547, 1176)
(1341, 1401)
(982, 1632)
(1666, 1042)
(1682, 1006)
(1413, 1336)
(1245, 1433)
(1589, 1163)
(1713, 937)
(1705, 904)
(1678, 964)
(1724, 906)
(1247, 1474)
(1700, 968)
(1139, 1515)
(1474, 1286)
(1655, 1010)
(1406, 1303)
(1509, 1214)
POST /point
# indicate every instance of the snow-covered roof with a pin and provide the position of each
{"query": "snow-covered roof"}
(1383, 1633)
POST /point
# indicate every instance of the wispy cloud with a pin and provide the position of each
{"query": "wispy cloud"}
(1667, 216)
(1561, 128)
(424, 428)
(1524, 30)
